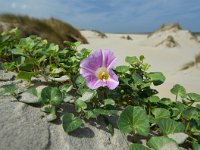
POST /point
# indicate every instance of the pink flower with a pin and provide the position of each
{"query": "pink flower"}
(97, 70)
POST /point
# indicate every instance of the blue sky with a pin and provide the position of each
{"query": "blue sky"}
(111, 15)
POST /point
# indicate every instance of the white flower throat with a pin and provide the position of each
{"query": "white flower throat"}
(102, 74)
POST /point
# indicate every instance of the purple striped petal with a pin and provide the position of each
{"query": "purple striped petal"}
(93, 82)
(93, 62)
(109, 59)
(112, 82)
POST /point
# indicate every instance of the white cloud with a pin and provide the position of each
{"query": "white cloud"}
(13, 5)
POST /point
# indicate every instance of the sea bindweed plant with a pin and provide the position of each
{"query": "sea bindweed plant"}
(96, 89)
(97, 70)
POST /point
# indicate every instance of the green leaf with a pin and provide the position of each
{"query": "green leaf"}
(17, 51)
(20, 60)
(68, 98)
(32, 91)
(138, 147)
(46, 108)
(145, 67)
(178, 90)
(80, 105)
(109, 102)
(178, 137)
(9, 89)
(60, 79)
(90, 114)
(25, 75)
(134, 119)
(194, 97)
(178, 110)
(166, 101)
(168, 126)
(157, 78)
(52, 95)
(195, 130)
(73, 44)
(198, 106)
(160, 113)
(110, 128)
(195, 146)
(122, 69)
(141, 57)
(191, 113)
(66, 88)
(87, 95)
(53, 48)
(162, 143)
(154, 99)
(131, 60)
(80, 80)
(8, 65)
(56, 96)
(46, 95)
(70, 122)
(137, 78)
(51, 117)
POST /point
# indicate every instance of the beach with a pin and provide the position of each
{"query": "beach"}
(164, 54)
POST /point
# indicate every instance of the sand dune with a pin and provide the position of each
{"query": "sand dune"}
(167, 59)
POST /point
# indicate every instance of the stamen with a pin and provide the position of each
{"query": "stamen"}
(102, 74)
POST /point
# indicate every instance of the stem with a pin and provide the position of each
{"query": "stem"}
(176, 98)
(53, 110)
(192, 102)
(187, 127)
(133, 139)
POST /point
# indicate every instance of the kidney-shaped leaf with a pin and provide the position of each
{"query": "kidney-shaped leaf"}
(160, 113)
(157, 78)
(70, 122)
(131, 60)
(52, 94)
(168, 126)
(25, 75)
(56, 96)
(162, 143)
(191, 113)
(178, 90)
(46, 95)
(153, 99)
(194, 97)
(122, 69)
(134, 119)
(196, 146)
(80, 105)
(9, 89)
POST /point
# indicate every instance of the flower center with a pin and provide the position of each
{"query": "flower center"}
(102, 74)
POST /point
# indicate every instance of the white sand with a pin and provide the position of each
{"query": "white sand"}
(161, 58)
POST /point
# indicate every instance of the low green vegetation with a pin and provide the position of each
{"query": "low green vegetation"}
(160, 121)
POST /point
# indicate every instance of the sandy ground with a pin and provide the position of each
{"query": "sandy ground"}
(162, 58)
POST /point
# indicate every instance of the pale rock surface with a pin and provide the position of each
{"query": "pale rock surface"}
(25, 127)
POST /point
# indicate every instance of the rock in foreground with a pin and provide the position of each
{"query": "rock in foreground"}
(24, 127)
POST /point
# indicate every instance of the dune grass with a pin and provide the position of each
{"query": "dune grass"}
(51, 29)
(192, 63)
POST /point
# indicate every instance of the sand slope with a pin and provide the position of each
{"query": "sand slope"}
(162, 58)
